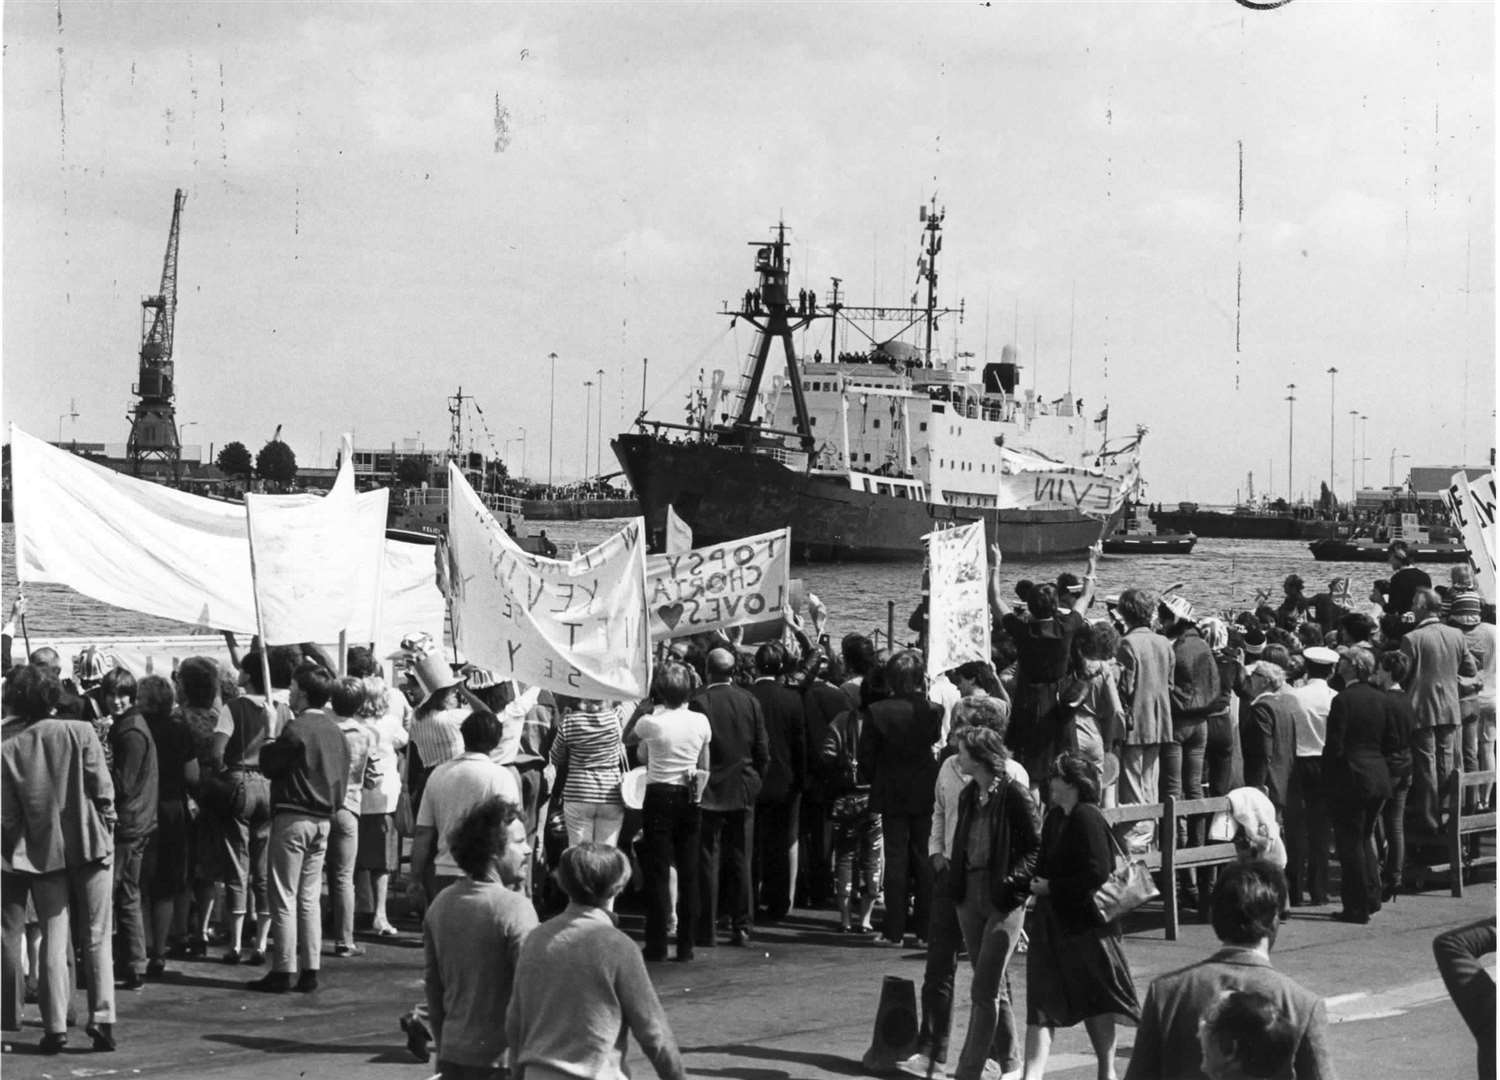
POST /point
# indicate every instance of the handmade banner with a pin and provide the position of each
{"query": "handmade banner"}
(575, 627)
(313, 564)
(958, 612)
(712, 588)
(160, 551)
(1028, 481)
(679, 535)
(1471, 505)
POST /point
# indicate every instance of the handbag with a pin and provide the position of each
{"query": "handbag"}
(1128, 886)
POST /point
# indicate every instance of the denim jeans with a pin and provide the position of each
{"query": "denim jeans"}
(724, 833)
(343, 847)
(83, 893)
(130, 921)
(669, 829)
(1220, 774)
(906, 861)
(990, 937)
(596, 821)
(1393, 818)
(245, 837)
(1307, 832)
(298, 845)
(944, 940)
(14, 890)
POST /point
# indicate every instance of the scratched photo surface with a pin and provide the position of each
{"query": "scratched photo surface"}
(1189, 211)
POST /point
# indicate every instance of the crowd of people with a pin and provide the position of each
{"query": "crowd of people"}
(148, 818)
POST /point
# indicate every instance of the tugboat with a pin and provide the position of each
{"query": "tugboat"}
(881, 445)
(1422, 546)
(1138, 536)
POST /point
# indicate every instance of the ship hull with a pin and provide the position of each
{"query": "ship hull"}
(724, 493)
(1379, 551)
(1160, 544)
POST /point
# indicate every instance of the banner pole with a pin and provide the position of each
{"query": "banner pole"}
(343, 653)
(260, 630)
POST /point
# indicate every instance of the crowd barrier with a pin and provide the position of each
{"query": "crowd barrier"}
(1461, 824)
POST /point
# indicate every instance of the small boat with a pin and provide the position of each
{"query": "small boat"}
(1137, 535)
(1147, 544)
(1375, 547)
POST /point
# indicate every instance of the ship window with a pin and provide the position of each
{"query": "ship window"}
(883, 489)
(813, 420)
(922, 426)
(867, 457)
(877, 423)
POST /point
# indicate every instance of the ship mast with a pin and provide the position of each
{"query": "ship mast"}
(769, 310)
(928, 268)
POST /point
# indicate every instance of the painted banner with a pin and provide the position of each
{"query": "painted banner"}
(1028, 481)
(958, 612)
(575, 626)
(153, 549)
(1471, 505)
(679, 534)
(312, 565)
(712, 588)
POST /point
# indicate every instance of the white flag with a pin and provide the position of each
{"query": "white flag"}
(315, 565)
(679, 534)
(1471, 505)
(1027, 481)
(958, 607)
(575, 626)
(712, 588)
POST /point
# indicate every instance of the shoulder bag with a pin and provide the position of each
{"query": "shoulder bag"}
(1128, 887)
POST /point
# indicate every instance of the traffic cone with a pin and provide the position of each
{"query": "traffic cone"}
(896, 1025)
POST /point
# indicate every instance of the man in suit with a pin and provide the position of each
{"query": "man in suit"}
(1362, 726)
(1247, 900)
(1146, 663)
(738, 756)
(1441, 660)
(1268, 732)
(776, 811)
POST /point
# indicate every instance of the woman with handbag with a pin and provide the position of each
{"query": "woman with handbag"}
(995, 845)
(1075, 966)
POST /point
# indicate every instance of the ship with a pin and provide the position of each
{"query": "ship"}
(883, 443)
(1138, 535)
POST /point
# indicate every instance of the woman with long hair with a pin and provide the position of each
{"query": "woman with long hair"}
(588, 755)
(1075, 966)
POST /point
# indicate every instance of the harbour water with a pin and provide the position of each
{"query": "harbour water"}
(1219, 576)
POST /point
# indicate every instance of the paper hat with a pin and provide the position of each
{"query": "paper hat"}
(433, 675)
(1255, 641)
(1179, 606)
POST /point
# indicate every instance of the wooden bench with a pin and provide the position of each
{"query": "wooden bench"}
(1168, 857)
(1460, 824)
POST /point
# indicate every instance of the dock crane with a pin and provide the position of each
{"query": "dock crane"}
(153, 424)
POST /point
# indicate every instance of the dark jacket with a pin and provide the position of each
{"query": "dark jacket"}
(822, 704)
(308, 766)
(134, 773)
(1015, 842)
(898, 745)
(786, 736)
(844, 769)
(1397, 744)
(1195, 678)
(1076, 858)
(738, 753)
(1268, 738)
(1360, 723)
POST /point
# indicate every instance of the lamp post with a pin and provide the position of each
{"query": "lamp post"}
(588, 399)
(1364, 450)
(1332, 374)
(1353, 453)
(1394, 455)
(551, 421)
(1291, 404)
(183, 427)
(523, 451)
(599, 433)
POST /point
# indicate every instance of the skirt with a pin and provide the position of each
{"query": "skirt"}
(379, 844)
(168, 866)
(1073, 975)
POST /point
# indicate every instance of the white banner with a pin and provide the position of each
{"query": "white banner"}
(575, 627)
(711, 588)
(312, 565)
(1027, 482)
(160, 551)
(679, 535)
(958, 607)
(1471, 505)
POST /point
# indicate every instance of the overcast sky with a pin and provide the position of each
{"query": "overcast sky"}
(387, 201)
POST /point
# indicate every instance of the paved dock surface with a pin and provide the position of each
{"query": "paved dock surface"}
(799, 1003)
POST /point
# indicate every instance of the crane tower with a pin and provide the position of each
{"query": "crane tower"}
(153, 424)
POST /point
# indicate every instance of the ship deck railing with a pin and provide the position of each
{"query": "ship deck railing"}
(494, 502)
